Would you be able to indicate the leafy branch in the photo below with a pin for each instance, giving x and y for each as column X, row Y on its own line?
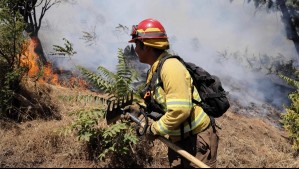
column 66, row 50
column 89, row 37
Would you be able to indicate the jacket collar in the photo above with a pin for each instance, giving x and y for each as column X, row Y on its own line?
column 154, row 67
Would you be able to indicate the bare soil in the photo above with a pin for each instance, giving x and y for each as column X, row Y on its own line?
column 245, row 142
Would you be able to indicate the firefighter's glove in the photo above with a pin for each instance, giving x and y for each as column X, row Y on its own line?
column 133, row 109
column 150, row 134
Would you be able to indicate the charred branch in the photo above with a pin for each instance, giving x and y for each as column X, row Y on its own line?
column 26, row 102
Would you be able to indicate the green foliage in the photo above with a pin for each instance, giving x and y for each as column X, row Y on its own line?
column 116, row 84
column 11, row 48
column 79, row 97
column 293, row 3
column 97, row 79
column 66, row 50
column 86, row 123
column 7, row 91
column 290, row 119
column 117, row 139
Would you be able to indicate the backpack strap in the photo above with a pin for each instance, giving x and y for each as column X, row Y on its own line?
column 159, row 67
column 213, row 123
column 156, row 76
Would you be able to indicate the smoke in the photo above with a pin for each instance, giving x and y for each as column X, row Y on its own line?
column 199, row 31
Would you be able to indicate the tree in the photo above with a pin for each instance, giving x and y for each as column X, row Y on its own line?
column 27, row 8
column 290, row 16
column 17, row 101
column 11, row 48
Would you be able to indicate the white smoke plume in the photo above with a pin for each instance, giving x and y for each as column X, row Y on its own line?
column 199, row 31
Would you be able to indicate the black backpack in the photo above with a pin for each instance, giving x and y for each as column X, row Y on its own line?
column 214, row 99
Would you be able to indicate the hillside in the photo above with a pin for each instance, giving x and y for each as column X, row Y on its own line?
column 245, row 141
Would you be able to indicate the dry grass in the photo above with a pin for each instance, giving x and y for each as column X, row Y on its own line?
column 248, row 142
column 244, row 142
column 35, row 144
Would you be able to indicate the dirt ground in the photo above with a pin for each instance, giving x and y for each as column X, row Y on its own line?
column 245, row 142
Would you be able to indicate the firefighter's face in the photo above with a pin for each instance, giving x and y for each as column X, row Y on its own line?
column 140, row 51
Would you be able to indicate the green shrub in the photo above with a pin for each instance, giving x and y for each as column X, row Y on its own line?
column 12, row 43
column 116, row 139
column 290, row 119
column 102, row 141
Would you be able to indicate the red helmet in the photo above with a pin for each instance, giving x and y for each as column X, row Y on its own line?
column 148, row 29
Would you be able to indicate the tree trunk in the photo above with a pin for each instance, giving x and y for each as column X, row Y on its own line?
column 39, row 50
column 289, row 25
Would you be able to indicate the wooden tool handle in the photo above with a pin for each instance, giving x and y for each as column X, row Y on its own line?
column 180, row 151
column 183, row 153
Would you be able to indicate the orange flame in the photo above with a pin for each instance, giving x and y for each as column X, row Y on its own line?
column 29, row 57
column 49, row 76
column 44, row 73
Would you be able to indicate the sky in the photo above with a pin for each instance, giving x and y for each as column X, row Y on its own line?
column 206, row 32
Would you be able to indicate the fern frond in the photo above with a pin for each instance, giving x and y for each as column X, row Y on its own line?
column 123, row 87
column 126, row 75
column 109, row 76
column 123, row 70
column 115, row 84
column 290, row 81
column 97, row 80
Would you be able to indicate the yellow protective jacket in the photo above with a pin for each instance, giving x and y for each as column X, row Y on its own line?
column 176, row 99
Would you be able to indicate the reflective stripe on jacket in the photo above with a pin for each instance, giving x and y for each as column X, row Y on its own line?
column 176, row 99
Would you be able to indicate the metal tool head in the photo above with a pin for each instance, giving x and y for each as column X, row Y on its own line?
column 114, row 108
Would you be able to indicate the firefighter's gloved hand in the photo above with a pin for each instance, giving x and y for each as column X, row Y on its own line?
column 133, row 109
column 151, row 135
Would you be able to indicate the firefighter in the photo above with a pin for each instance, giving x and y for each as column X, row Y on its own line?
column 186, row 124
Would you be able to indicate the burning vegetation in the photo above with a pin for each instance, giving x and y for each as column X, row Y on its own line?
column 46, row 73
column 31, row 99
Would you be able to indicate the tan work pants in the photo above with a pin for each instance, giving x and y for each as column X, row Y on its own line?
column 203, row 146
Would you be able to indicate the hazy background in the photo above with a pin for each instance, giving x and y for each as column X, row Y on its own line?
column 207, row 32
